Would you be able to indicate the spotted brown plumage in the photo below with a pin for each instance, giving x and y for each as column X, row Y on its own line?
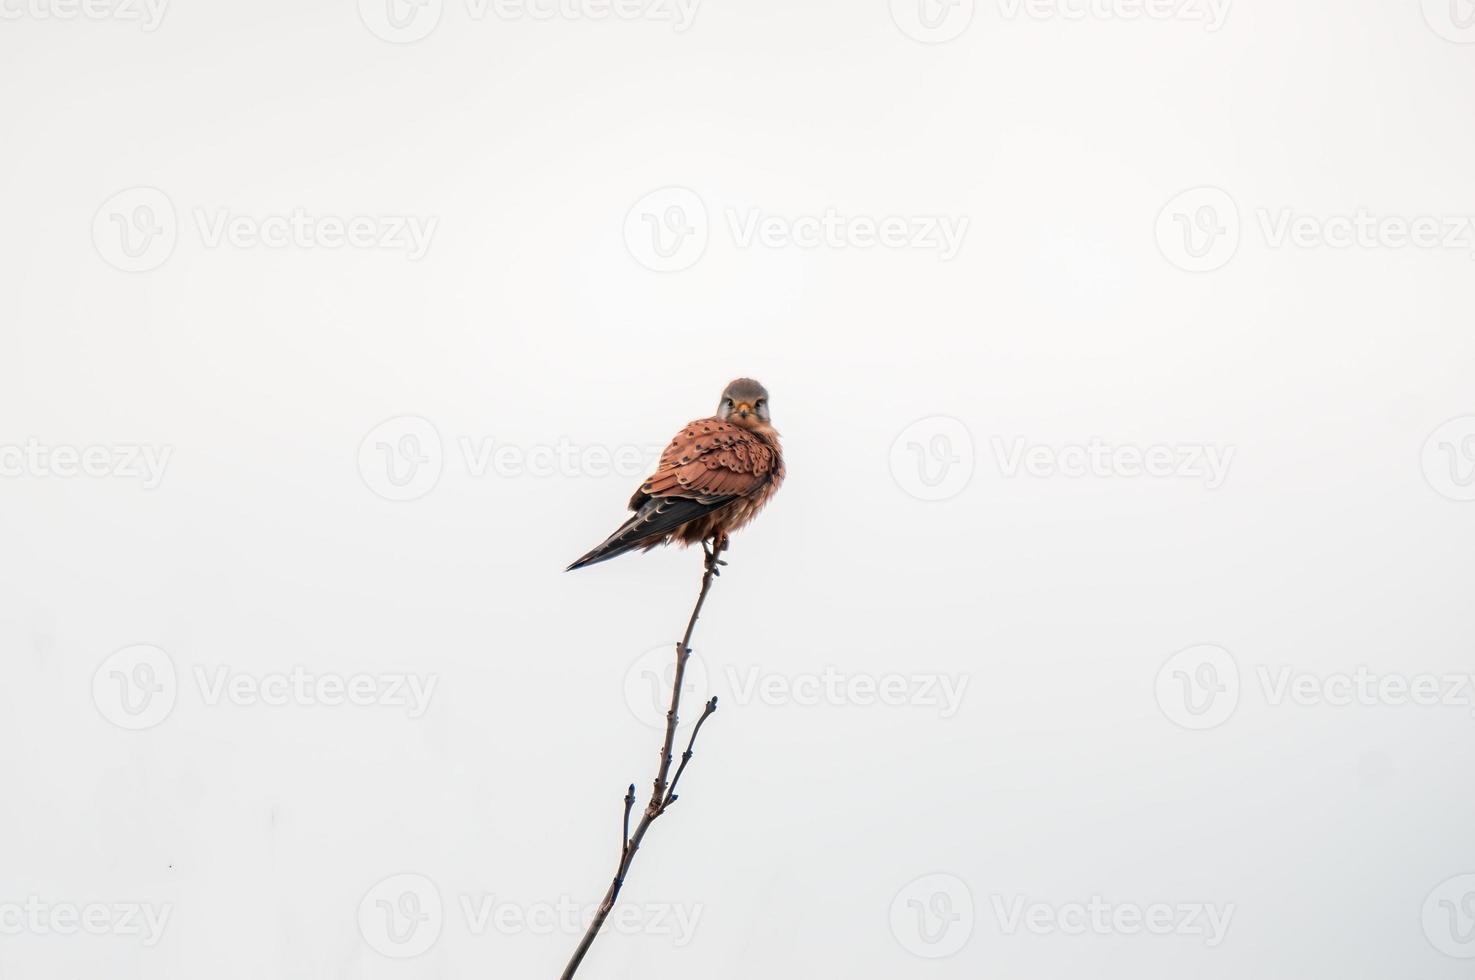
column 713, row 478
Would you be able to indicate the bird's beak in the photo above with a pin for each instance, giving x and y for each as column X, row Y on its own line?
column 744, row 409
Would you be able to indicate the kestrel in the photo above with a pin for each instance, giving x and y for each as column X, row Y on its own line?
column 713, row 478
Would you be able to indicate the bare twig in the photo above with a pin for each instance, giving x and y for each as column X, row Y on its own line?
column 625, row 834
column 662, row 794
column 686, row 756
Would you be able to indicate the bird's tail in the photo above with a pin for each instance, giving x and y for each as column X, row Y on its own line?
column 655, row 519
column 625, row 539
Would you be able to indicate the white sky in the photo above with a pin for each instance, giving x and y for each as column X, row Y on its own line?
column 1046, row 605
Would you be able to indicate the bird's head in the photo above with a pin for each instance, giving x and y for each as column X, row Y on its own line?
column 745, row 403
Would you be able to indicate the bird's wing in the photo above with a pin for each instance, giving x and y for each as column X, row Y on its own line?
column 709, row 461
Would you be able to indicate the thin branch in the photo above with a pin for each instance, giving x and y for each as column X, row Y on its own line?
column 662, row 793
column 625, row 834
column 686, row 756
